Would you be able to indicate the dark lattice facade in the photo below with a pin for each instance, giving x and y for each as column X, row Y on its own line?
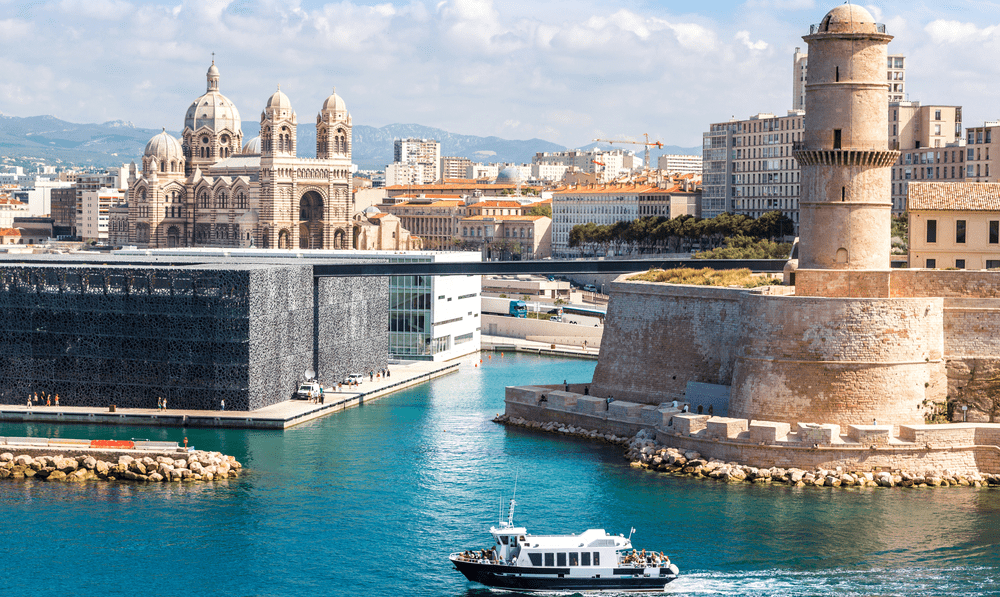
column 126, row 335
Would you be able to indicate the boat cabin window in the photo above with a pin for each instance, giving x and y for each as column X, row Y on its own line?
column 550, row 559
column 536, row 559
column 503, row 539
column 597, row 558
column 574, row 558
column 561, row 559
column 586, row 558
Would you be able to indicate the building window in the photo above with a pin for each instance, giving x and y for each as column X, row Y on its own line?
column 960, row 263
column 994, row 232
column 932, row 231
column 992, row 264
column 937, row 114
column 960, row 231
column 931, row 263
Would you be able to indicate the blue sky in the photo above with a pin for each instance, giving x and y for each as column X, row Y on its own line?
column 561, row 71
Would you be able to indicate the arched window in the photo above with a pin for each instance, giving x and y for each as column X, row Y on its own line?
column 222, row 202
column 203, row 200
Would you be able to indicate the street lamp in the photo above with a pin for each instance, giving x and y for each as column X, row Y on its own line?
column 965, row 413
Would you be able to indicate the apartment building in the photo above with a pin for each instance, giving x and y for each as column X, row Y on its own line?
column 95, row 215
column 600, row 204
column 954, row 225
column 606, row 164
column 980, row 152
column 508, row 235
column 672, row 199
column 425, row 153
column 92, row 181
column 717, row 175
column 754, row 158
column 680, row 164
column 454, row 167
column 931, row 146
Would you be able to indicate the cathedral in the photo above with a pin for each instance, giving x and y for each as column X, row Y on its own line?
column 211, row 189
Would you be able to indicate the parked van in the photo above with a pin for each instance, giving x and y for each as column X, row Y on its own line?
column 307, row 390
column 590, row 288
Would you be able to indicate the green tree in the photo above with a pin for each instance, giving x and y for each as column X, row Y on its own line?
column 541, row 210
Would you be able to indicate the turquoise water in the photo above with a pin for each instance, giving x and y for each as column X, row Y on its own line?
column 370, row 501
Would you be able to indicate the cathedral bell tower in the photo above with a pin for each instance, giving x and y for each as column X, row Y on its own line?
column 846, row 205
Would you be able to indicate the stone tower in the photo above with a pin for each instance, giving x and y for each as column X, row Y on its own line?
column 846, row 205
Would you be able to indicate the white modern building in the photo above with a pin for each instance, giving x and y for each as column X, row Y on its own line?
column 92, row 221
column 600, row 204
column 680, row 164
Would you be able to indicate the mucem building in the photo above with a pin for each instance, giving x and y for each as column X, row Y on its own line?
column 196, row 332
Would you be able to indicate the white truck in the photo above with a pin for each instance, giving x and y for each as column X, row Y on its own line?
column 308, row 390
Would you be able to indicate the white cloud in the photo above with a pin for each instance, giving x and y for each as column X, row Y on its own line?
column 744, row 37
column 955, row 32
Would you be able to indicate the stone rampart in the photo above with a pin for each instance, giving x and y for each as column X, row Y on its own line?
column 658, row 337
column 961, row 447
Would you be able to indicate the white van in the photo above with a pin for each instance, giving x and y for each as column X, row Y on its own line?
column 354, row 379
column 590, row 288
column 307, row 390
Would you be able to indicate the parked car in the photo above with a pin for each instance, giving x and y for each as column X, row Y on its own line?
column 555, row 311
column 556, row 319
column 354, row 379
column 590, row 288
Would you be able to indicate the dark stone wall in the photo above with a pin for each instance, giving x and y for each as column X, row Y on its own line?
column 126, row 336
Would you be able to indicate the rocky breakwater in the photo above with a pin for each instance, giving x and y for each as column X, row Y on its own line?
column 560, row 428
column 644, row 452
column 194, row 466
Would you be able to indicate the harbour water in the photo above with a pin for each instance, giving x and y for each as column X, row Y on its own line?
column 370, row 501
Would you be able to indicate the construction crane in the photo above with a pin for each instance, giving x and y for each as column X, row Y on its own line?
column 656, row 144
column 603, row 168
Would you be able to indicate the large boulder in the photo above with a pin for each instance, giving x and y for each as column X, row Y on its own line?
column 55, row 475
column 89, row 463
column 66, row 465
column 137, row 467
column 6, row 457
column 24, row 460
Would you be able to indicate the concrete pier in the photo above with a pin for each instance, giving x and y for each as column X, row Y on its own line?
column 283, row 415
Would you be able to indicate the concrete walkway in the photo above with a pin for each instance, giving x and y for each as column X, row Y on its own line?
column 278, row 416
column 504, row 344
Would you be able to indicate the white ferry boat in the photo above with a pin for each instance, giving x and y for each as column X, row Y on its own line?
column 591, row 561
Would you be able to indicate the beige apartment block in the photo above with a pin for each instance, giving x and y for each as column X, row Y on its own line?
column 980, row 149
column 600, row 204
column 931, row 147
column 454, row 167
column 765, row 175
column 954, row 225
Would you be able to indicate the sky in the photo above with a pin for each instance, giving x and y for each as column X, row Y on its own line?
column 563, row 71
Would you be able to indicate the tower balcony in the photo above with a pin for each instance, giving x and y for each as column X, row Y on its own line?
column 873, row 158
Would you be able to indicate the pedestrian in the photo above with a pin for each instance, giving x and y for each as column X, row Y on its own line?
column 57, row 399
column 699, row 409
column 159, row 403
column 185, row 442
column 685, row 409
column 387, row 374
column 222, row 404
column 48, row 402
column 874, row 422
column 371, row 376
column 711, row 410
column 586, row 390
column 29, row 401
column 164, row 404
column 673, row 404
column 36, row 397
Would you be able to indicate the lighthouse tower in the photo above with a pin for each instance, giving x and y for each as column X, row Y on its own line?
column 846, row 206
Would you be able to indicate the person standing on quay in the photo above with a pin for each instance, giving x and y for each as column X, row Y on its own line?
column 164, row 404
column 159, row 403
column 222, row 404
column 57, row 399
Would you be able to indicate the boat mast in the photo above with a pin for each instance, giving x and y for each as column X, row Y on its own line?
column 510, row 513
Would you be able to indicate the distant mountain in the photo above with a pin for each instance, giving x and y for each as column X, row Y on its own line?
column 117, row 142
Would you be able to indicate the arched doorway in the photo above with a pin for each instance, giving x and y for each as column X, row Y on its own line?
column 311, row 221
column 284, row 239
column 173, row 237
column 265, row 239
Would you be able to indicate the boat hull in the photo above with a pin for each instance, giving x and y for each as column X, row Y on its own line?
column 557, row 579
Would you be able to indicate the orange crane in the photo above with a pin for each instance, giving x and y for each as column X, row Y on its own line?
column 657, row 144
column 602, row 165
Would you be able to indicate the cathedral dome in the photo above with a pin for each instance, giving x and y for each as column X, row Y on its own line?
column 252, row 146
column 213, row 110
column 164, row 147
column 279, row 106
column 334, row 104
column 848, row 18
